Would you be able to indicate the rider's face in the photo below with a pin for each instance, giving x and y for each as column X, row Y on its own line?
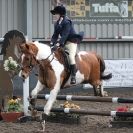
column 57, row 16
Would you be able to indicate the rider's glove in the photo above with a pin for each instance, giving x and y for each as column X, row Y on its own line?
column 58, row 45
column 52, row 46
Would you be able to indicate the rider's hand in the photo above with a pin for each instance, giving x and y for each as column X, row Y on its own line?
column 53, row 48
column 58, row 44
column 51, row 44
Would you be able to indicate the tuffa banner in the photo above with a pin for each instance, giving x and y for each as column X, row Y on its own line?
column 96, row 11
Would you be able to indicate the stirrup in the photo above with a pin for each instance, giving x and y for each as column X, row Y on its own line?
column 73, row 80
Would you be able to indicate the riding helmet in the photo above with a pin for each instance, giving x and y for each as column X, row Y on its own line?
column 59, row 10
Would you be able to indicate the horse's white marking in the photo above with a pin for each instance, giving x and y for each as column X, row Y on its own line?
column 22, row 57
column 20, row 73
column 82, row 53
column 43, row 52
column 79, row 78
column 102, row 92
column 38, row 88
column 58, row 68
column 52, row 97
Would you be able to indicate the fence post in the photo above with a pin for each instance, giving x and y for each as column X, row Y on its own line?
column 25, row 96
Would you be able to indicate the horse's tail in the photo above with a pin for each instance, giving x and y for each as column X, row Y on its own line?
column 102, row 69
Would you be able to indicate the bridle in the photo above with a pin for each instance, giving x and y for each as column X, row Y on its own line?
column 30, row 65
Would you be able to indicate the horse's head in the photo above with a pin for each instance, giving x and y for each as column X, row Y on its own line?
column 28, row 59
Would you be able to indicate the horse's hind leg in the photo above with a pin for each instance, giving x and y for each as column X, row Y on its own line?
column 95, row 90
column 99, row 90
column 102, row 92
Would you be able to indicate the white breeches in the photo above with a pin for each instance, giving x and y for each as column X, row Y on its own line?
column 72, row 48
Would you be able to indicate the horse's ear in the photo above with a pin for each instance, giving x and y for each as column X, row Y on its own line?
column 22, row 47
column 33, row 49
column 27, row 46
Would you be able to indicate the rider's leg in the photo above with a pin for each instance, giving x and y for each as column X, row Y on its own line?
column 72, row 48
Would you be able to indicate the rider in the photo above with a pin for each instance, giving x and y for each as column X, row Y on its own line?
column 69, row 39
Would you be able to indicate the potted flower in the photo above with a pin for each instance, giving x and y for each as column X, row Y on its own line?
column 14, row 110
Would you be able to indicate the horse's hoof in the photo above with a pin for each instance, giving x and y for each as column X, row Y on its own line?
column 105, row 94
column 46, row 112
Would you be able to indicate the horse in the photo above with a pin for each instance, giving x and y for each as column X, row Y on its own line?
column 10, row 47
column 54, row 72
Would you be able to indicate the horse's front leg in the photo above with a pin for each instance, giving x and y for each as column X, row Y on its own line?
column 52, row 97
column 37, row 89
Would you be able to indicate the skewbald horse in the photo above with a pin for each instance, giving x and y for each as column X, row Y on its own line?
column 54, row 74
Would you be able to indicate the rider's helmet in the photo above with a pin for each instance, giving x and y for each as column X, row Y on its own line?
column 59, row 10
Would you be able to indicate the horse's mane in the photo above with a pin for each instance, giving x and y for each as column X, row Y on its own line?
column 9, row 35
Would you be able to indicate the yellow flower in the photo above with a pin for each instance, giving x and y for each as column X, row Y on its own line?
column 12, row 101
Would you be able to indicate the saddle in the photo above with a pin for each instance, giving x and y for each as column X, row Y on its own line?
column 63, row 56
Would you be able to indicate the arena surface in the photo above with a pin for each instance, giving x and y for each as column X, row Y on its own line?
column 95, row 124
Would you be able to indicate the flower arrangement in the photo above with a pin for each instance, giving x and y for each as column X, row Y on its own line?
column 14, row 105
column 10, row 64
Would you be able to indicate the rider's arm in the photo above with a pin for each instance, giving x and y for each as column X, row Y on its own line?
column 54, row 36
column 65, row 32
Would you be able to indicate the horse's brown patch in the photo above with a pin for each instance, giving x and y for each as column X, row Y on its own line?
column 46, row 74
column 90, row 67
column 60, row 55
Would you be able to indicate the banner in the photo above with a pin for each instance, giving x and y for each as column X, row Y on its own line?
column 122, row 72
column 109, row 9
column 96, row 11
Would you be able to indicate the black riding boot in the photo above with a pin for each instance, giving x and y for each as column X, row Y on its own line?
column 73, row 74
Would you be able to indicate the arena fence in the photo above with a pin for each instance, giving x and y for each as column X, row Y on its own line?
column 86, row 112
column 87, row 98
